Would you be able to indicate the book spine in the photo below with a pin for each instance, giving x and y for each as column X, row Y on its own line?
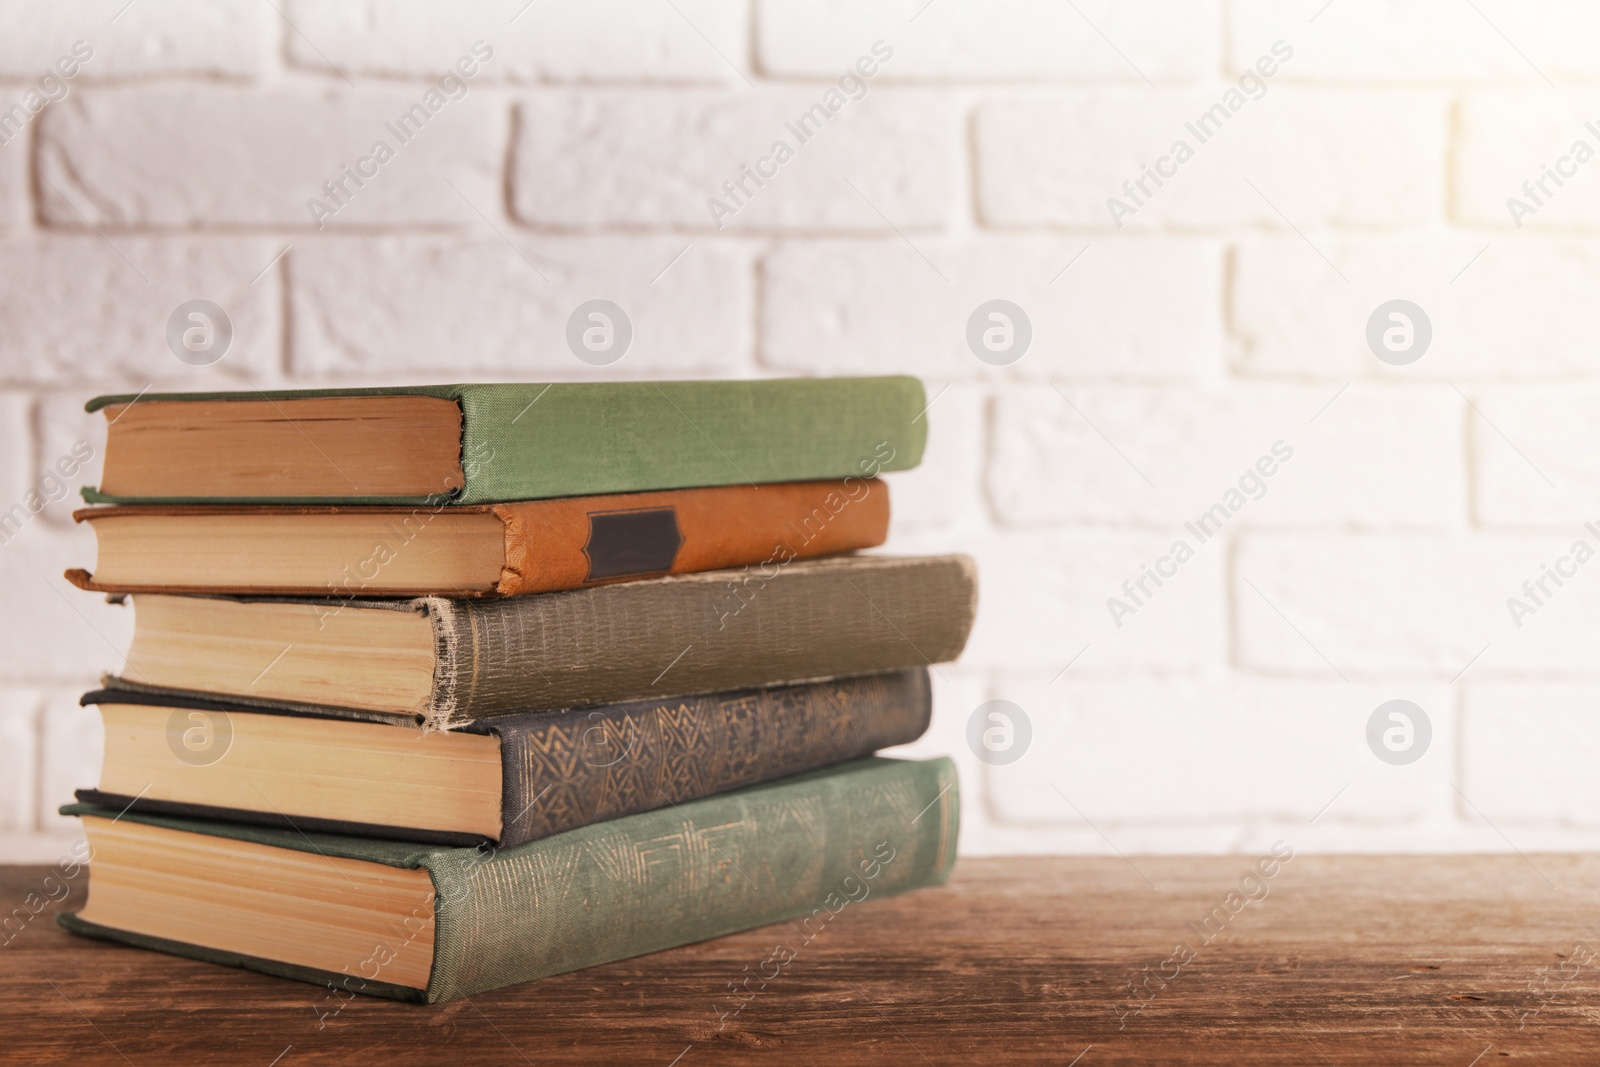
column 697, row 633
column 534, row 442
column 574, row 542
column 574, row 768
column 803, row 849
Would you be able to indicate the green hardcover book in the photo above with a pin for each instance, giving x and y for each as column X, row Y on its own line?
column 431, row 924
column 485, row 444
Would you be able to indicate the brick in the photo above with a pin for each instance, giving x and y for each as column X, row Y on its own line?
column 1517, row 733
column 1419, row 41
column 46, row 849
column 1524, row 437
column 945, row 493
column 73, row 747
column 66, row 435
column 1484, row 300
column 406, row 305
column 1161, row 40
column 1133, row 309
column 1511, row 138
column 19, row 747
column 957, row 694
column 1042, row 599
column 1152, row 751
column 13, row 184
column 94, row 309
column 16, row 449
column 542, row 41
column 1412, row 606
column 176, row 158
column 1321, row 158
column 147, row 37
column 1372, row 457
column 45, row 478
column 634, row 158
column 986, row 829
column 59, row 633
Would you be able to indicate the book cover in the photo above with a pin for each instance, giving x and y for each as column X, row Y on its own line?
column 565, row 769
column 799, row 848
column 547, row 545
column 532, row 441
column 699, row 633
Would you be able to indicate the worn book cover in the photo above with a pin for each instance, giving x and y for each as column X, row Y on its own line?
column 451, row 661
column 558, row 770
column 475, row 550
column 448, row 923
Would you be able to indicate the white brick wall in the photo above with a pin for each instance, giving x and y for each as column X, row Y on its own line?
column 1308, row 152
column 1424, row 42
column 84, row 308
column 158, row 37
column 169, row 158
column 413, row 305
column 995, row 40
column 592, row 158
column 1369, row 157
column 1133, row 310
column 1503, row 307
column 632, row 41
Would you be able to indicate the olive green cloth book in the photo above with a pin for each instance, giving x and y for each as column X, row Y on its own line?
column 488, row 444
column 447, row 662
column 428, row 924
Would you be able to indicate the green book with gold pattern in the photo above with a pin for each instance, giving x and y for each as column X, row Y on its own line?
column 430, row 924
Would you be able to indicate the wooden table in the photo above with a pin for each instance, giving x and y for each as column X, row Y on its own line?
column 1347, row 960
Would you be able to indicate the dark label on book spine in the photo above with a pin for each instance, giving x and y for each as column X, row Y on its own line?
column 629, row 544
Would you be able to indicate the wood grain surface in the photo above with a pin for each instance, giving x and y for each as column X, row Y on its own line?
column 1346, row 960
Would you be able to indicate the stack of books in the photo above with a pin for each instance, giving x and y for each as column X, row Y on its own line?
column 434, row 690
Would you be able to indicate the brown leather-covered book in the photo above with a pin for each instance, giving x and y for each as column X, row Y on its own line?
column 536, row 546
